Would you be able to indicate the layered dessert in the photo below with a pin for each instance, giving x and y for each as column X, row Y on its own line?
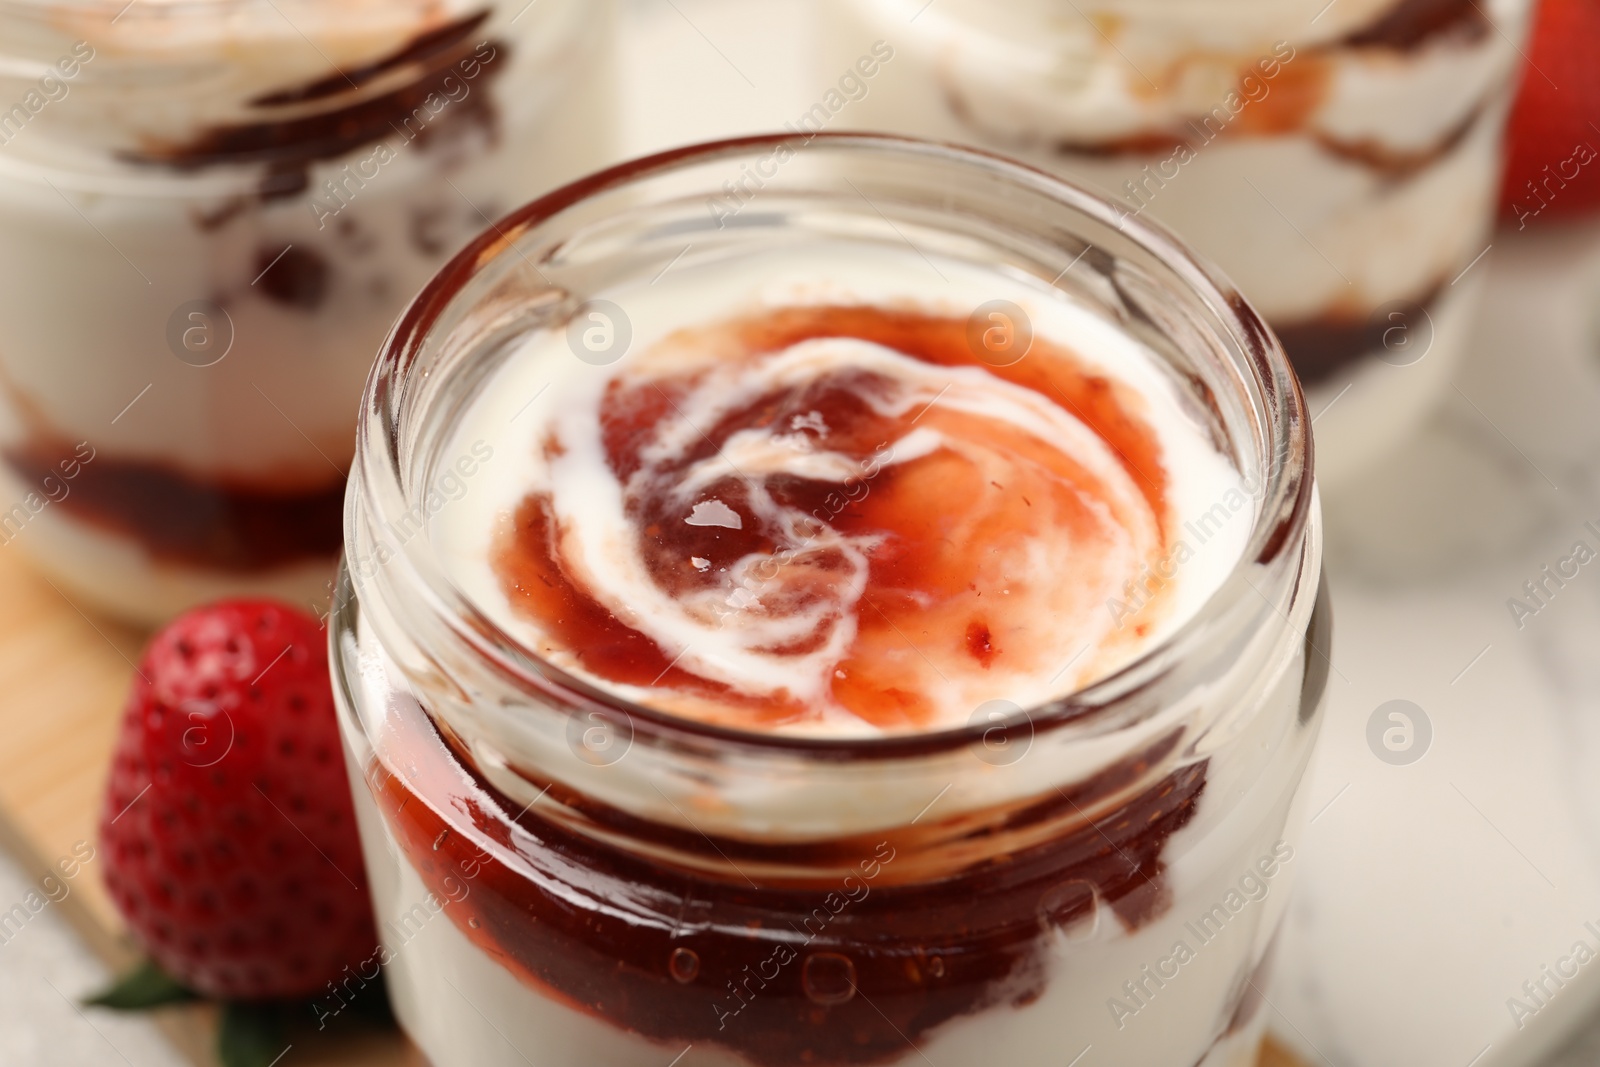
column 214, row 212
column 1339, row 161
column 816, row 676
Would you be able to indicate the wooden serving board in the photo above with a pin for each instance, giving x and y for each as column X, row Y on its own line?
column 64, row 673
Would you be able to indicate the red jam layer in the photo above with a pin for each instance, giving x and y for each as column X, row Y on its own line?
column 1297, row 84
column 948, row 571
column 426, row 107
column 855, row 968
column 178, row 518
column 1413, row 24
column 1322, row 347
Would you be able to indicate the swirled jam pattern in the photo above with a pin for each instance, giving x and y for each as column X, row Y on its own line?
column 842, row 517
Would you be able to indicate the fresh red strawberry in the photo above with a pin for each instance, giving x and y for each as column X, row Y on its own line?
column 229, row 833
column 1554, row 164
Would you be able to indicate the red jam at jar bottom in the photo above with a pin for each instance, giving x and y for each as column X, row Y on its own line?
column 852, row 969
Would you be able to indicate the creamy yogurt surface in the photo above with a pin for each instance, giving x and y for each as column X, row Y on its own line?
column 839, row 489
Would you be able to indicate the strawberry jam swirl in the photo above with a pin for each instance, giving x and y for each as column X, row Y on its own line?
column 839, row 519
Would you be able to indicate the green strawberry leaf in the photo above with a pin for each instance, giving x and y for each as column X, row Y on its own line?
column 146, row 986
column 251, row 1035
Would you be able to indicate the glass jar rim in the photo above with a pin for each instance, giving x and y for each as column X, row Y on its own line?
column 1279, row 528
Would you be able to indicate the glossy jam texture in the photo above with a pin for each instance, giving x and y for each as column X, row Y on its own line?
column 860, row 968
column 846, row 508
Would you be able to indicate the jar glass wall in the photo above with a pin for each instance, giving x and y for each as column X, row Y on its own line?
column 1340, row 163
column 214, row 211
column 557, row 869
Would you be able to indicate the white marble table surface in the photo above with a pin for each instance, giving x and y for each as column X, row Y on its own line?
column 1433, row 891
column 44, row 972
column 1430, row 891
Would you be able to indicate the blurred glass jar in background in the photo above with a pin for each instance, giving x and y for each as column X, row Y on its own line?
column 210, row 215
column 1339, row 161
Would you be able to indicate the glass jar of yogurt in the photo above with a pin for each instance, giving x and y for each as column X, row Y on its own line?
column 213, row 212
column 1340, row 161
column 882, row 624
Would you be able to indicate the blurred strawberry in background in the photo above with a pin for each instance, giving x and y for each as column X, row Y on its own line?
column 229, row 825
column 1553, row 170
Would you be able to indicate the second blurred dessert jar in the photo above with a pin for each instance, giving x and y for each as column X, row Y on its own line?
column 213, row 212
column 1339, row 161
column 886, row 630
